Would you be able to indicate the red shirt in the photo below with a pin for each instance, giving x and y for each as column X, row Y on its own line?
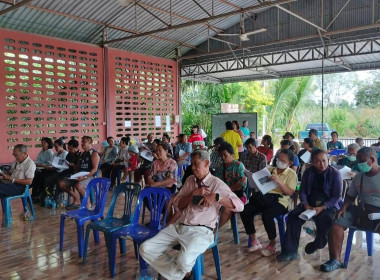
column 132, row 163
column 268, row 152
column 195, row 137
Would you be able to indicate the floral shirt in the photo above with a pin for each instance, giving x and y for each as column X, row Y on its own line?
column 161, row 171
column 233, row 174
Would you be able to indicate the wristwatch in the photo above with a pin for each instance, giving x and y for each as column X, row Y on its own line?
column 85, row 177
column 218, row 198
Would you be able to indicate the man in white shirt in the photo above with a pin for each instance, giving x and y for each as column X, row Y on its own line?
column 23, row 173
column 200, row 199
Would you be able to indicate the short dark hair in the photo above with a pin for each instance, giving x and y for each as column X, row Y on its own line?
column 288, row 153
column 286, row 142
column 181, row 135
column 309, row 141
column 163, row 145
column 368, row 151
column 225, row 146
column 21, row 148
column 218, row 140
column 251, row 141
column 60, row 142
column 288, row 134
column 334, row 132
column 317, row 152
column 229, row 125
column 109, row 137
column 157, row 141
column 125, row 140
column 314, row 131
column 165, row 135
column 89, row 138
column 48, row 141
column 73, row 143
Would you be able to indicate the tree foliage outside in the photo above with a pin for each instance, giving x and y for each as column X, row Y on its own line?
column 289, row 104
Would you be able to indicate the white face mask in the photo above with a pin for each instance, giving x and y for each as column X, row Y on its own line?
column 281, row 165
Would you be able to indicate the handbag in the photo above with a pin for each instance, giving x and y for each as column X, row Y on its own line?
column 363, row 210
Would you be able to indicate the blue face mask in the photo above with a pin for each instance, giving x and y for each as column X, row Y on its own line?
column 351, row 158
column 364, row 167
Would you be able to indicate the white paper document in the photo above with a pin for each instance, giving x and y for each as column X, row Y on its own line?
column 306, row 157
column 181, row 153
column 147, row 155
column 374, row 216
column 262, row 182
column 344, row 172
column 60, row 163
column 307, row 215
column 157, row 121
column 79, row 174
column 167, row 129
column 251, row 183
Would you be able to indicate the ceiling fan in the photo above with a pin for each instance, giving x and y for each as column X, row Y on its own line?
column 244, row 35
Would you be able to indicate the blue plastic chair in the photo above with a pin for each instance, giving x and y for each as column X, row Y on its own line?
column 25, row 198
column 281, row 229
column 100, row 187
column 157, row 199
column 338, row 152
column 369, row 237
column 111, row 223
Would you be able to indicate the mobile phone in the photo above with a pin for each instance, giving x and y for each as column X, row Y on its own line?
column 197, row 198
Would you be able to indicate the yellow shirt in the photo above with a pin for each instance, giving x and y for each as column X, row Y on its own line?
column 234, row 139
column 319, row 143
column 289, row 178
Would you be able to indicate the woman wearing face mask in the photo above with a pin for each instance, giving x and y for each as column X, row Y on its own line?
column 272, row 203
column 350, row 159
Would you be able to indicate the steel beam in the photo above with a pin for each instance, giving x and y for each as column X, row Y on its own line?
column 14, row 7
column 202, row 21
column 337, row 52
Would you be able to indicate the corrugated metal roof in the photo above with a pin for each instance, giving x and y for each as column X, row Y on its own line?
column 85, row 21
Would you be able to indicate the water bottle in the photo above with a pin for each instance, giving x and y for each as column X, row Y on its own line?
column 47, row 202
column 311, row 232
column 53, row 204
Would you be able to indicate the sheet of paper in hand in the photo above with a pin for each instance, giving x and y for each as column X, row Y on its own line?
column 60, row 163
column 262, row 181
column 148, row 155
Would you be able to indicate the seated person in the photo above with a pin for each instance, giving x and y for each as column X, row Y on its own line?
column 215, row 159
column 318, row 142
column 120, row 163
column 144, row 168
column 360, row 142
column 195, row 134
column 321, row 190
column 44, row 159
column 253, row 160
column 366, row 188
column 132, row 162
column 88, row 162
column 22, row 173
column 289, row 136
column 185, row 147
column 308, row 146
column 350, row 159
column 334, row 144
column 232, row 173
column 108, row 157
column 166, row 140
column 287, row 144
column 266, row 147
column 194, row 230
column 164, row 170
column 271, row 204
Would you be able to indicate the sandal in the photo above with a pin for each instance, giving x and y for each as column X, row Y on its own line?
column 256, row 245
column 72, row 206
column 268, row 251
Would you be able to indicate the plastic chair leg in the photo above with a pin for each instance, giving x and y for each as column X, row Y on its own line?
column 143, row 265
column 348, row 247
column 80, row 236
column 235, row 228
column 369, row 236
column 86, row 244
column 197, row 269
column 281, row 229
column 8, row 212
column 249, row 241
column 122, row 245
column 118, row 177
column 61, row 232
column 215, row 252
column 96, row 236
column 111, row 248
column 136, row 248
